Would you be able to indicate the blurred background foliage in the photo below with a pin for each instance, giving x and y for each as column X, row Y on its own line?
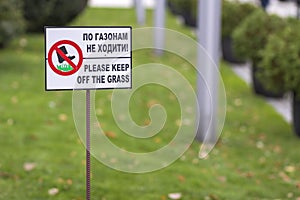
column 19, row 16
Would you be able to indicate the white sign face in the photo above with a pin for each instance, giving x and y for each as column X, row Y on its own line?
column 88, row 57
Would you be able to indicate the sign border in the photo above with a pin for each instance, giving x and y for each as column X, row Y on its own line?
column 70, row 27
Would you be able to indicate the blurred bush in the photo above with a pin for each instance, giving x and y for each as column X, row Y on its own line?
column 250, row 37
column 11, row 20
column 252, row 34
column 233, row 13
column 280, row 64
column 39, row 13
column 185, row 8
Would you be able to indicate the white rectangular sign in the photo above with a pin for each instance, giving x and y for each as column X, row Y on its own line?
column 88, row 57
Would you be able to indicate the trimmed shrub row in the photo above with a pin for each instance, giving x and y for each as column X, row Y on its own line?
column 38, row 13
column 187, row 9
column 11, row 20
column 17, row 16
column 271, row 44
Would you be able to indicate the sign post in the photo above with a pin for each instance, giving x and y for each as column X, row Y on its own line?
column 208, row 33
column 88, row 58
column 88, row 145
column 140, row 12
column 159, row 23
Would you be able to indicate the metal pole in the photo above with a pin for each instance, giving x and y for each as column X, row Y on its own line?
column 88, row 147
column 159, row 24
column 209, row 23
column 298, row 9
column 140, row 12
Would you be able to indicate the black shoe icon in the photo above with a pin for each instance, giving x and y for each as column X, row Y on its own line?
column 64, row 50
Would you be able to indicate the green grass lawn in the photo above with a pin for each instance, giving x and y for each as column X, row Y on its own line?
column 257, row 156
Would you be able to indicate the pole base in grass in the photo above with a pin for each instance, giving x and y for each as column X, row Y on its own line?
column 259, row 88
column 296, row 115
column 227, row 51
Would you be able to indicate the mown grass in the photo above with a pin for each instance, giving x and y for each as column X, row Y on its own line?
column 256, row 157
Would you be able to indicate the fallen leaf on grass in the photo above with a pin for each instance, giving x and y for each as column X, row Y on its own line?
column 97, row 125
column 83, row 162
column 60, row 180
column 289, row 169
column 63, row 117
column 290, row 195
column 246, row 174
column 284, row 177
column 15, row 85
column 178, row 122
column 103, row 155
column 213, row 197
column 262, row 136
column 249, row 174
column 172, row 97
column 10, row 122
column 277, row 149
column 53, row 191
column 40, row 180
column 151, row 103
column 109, row 96
column 49, row 122
column 14, row 99
column 23, row 42
column 4, row 175
column 69, row 181
column 238, row 102
column 157, row 140
column 73, row 154
column 222, row 179
column 272, row 177
column 262, row 160
column 242, row 129
column 99, row 111
column 29, row 166
column 181, row 178
column 189, row 109
column 174, row 196
column 113, row 160
column 260, row 144
column 147, row 122
column 52, row 104
column 229, row 108
column 163, row 197
column 79, row 141
column 195, row 161
column 183, row 158
column 110, row 134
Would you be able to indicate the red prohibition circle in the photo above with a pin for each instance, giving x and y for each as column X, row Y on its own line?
column 55, row 48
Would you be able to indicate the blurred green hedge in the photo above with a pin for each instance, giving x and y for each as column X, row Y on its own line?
column 39, row 13
column 11, row 20
column 17, row 16
column 187, row 9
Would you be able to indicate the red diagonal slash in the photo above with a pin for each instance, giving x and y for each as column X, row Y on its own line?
column 68, row 60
